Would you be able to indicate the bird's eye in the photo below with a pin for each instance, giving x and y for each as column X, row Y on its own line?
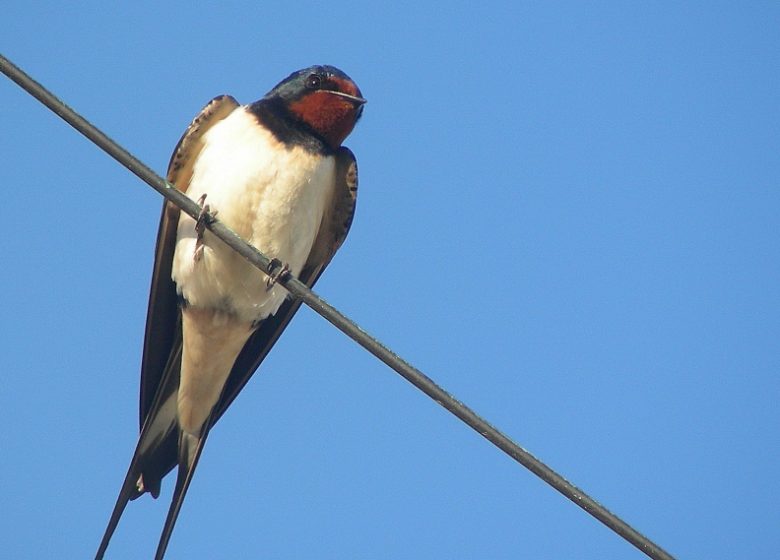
column 314, row 81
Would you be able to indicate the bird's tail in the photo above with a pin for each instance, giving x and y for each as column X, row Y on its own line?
column 190, row 448
column 126, row 493
column 133, row 484
column 158, row 434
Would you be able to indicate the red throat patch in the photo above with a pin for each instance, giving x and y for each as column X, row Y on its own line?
column 333, row 117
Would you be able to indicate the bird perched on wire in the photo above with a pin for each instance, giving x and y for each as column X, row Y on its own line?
column 276, row 173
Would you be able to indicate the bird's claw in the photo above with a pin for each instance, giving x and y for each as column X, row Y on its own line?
column 278, row 271
column 205, row 217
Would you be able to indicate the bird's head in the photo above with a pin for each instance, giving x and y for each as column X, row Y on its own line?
column 323, row 98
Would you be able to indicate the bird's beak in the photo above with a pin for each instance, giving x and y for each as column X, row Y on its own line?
column 353, row 98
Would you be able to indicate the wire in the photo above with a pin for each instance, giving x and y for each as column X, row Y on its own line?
column 344, row 324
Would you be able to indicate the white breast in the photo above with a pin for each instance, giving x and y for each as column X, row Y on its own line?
column 271, row 195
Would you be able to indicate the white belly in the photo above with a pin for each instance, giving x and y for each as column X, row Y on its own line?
column 272, row 196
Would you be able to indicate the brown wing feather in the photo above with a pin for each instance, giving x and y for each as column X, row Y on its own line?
column 163, row 331
column 157, row 448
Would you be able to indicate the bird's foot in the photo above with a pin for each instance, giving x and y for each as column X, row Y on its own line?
column 279, row 271
column 205, row 217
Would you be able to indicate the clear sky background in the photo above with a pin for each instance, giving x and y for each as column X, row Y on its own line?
column 568, row 217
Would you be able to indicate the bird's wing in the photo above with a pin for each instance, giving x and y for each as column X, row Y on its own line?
column 162, row 341
column 163, row 329
column 333, row 231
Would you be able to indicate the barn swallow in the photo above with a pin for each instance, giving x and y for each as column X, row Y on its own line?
column 276, row 173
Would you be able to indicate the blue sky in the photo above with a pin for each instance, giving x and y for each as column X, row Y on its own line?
column 568, row 217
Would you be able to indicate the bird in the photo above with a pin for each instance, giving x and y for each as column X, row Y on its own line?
column 276, row 173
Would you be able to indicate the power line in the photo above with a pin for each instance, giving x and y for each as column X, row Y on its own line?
column 344, row 324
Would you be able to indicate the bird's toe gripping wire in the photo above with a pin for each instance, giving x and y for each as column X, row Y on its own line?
column 205, row 217
column 278, row 271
